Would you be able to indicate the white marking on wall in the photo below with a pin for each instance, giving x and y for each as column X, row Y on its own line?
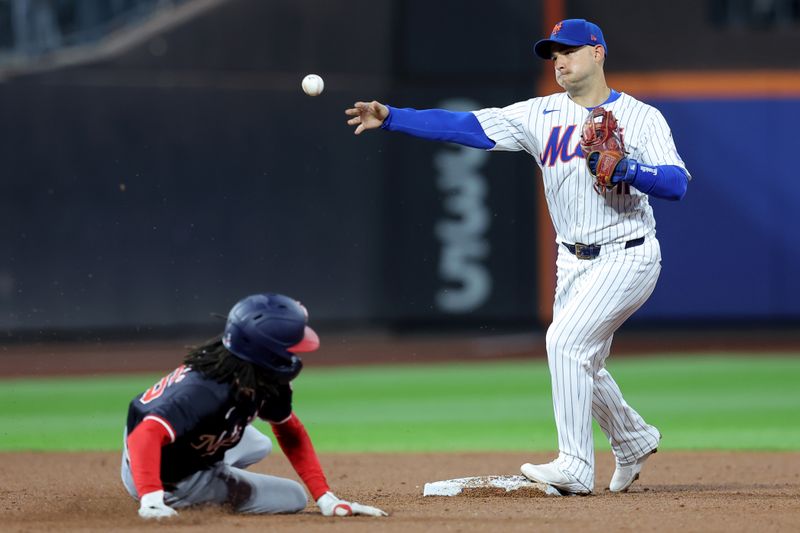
column 463, row 230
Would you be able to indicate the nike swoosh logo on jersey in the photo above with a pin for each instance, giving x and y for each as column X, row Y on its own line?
column 548, row 111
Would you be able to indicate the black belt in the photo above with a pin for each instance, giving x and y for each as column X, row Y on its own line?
column 591, row 251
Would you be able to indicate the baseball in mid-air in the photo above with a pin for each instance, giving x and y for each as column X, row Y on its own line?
column 313, row 85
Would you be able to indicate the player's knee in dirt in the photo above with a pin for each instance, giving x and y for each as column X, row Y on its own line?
column 253, row 493
column 296, row 497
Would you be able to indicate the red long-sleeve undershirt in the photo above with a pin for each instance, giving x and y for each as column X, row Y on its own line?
column 147, row 439
column 296, row 444
column 144, row 453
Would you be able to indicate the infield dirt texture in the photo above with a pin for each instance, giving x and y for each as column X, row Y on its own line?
column 678, row 491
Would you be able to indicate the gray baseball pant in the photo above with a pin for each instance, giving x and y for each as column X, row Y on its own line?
column 226, row 482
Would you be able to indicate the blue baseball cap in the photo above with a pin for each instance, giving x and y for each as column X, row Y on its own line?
column 571, row 32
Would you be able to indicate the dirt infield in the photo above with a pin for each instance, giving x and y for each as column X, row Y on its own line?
column 678, row 492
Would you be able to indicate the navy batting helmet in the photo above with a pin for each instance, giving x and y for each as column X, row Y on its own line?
column 267, row 330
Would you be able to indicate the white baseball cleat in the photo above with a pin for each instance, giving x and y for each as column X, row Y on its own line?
column 551, row 474
column 625, row 475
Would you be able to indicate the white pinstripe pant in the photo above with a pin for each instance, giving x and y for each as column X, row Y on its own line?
column 593, row 299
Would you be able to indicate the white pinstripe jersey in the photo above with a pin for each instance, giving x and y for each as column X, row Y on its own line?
column 549, row 128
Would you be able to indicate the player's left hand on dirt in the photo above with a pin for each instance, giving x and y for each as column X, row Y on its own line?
column 603, row 147
column 330, row 505
column 152, row 506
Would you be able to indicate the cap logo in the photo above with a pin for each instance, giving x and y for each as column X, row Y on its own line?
column 592, row 37
column 556, row 28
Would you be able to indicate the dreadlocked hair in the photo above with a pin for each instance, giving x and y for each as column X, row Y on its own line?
column 219, row 364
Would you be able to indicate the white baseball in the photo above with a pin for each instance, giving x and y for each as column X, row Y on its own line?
column 313, row 85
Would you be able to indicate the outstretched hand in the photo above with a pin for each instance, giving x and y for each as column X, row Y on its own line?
column 330, row 505
column 367, row 115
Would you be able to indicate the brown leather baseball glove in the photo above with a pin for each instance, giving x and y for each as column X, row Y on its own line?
column 602, row 146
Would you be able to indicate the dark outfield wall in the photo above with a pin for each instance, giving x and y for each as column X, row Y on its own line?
column 700, row 35
column 146, row 191
column 154, row 188
column 159, row 186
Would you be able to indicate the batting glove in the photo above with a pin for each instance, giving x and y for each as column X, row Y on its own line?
column 330, row 505
column 152, row 506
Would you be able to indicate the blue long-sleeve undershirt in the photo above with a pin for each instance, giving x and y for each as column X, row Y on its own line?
column 439, row 125
column 663, row 181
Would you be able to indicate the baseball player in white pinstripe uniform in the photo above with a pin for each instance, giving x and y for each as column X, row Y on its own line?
column 608, row 256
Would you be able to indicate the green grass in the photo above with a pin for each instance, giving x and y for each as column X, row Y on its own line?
column 698, row 402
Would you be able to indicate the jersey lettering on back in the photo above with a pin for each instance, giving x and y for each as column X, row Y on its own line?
column 208, row 418
column 176, row 376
